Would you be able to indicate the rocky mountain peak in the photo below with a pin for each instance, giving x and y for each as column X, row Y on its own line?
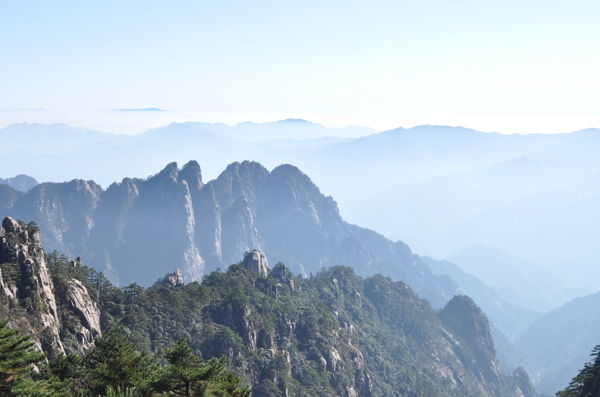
column 20, row 182
column 239, row 180
column 256, row 261
column 168, row 175
column 468, row 321
column 86, row 309
column 281, row 213
column 192, row 174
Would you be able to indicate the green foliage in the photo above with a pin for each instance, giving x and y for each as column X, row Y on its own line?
column 114, row 362
column 113, row 367
column 188, row 375
column 17, row 355
column 279, row 339
column 587, row 382
column 283, row 335
column 121, row 392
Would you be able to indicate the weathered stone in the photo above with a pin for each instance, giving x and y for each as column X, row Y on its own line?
column 82, row 305
column 29, row 254
column 174, row 279
column 256, row 261
column 10, row 225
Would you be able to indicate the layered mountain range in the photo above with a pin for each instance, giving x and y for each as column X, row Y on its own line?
column 136, row 230
column 440, row 189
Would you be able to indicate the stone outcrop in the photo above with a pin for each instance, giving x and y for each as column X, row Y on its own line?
column 172, row 279
column 256, row 261
column 89, row 315
column 283, row 274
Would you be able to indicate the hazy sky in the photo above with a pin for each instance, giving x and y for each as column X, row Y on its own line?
column 537, row 59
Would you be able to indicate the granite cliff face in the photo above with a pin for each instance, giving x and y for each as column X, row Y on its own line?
column 137, row 230
column 144, row 228
column 27, row 291
column 25, row 279
column 80, row 303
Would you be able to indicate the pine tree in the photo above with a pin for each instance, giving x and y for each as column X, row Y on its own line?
column 114, row 362
column 587, row 382
column 17, row 358
column 188, row 375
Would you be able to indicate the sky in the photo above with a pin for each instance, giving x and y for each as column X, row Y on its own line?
column 510, row 66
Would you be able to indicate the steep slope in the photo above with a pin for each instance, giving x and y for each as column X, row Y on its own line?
column 468, row 322
column 506, row 320
column 34, row 299
column 63, row 211
column 9, row 196
column 142, row 228
column 562, row 340
column 509, row 317
column 138, row 230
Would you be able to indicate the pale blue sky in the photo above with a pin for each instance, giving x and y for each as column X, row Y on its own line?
column 309, row 57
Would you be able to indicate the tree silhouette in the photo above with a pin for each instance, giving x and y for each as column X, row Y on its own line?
column 587, row 382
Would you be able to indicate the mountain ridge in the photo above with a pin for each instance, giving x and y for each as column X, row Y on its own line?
column 334, row 334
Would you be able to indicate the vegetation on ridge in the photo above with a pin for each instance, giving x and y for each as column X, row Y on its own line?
column 333, row 334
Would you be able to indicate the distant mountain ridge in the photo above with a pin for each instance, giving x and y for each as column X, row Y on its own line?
column 562, row 339
column 513, row 278
column 20, row 182
column 49, row 151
